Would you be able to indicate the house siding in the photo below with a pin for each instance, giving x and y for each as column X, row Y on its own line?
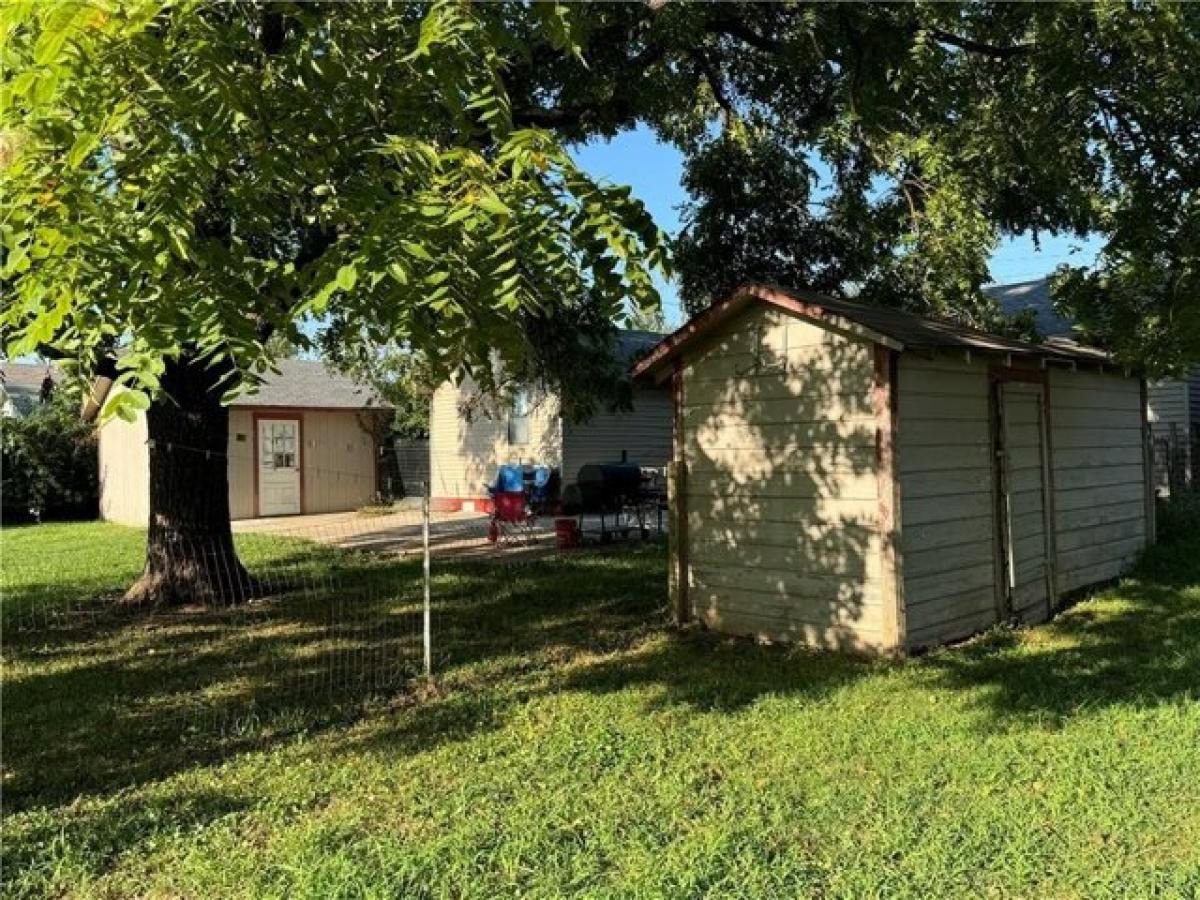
column 242, row 503
column 1099, row 476
column 641, row 435
column 781, row 486
column 465, row 449
column 948, row 540
column 338, row 461
column 1169, row 412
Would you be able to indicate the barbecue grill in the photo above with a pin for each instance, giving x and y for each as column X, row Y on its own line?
column 621, row 496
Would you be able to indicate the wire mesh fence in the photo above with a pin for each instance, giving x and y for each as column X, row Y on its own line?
column 204, row 641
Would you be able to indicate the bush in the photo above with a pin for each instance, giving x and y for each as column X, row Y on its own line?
column 48, row 465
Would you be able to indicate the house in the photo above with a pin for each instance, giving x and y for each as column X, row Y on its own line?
column 857, row 477
column 303, row 443
column 1174, row 403
column 470, row 435
column 23, row 385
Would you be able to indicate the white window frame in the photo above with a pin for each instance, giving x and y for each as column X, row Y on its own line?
column 520, row 416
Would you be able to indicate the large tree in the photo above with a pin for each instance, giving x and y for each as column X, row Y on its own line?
column 191, row 179
column 183, row 182
column 885, row 149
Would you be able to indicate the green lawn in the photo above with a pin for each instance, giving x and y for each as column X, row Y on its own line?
column 575, row 745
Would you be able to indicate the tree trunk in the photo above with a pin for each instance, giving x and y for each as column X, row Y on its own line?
column 190, row 557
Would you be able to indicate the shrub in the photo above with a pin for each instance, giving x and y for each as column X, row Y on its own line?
column 48, row 465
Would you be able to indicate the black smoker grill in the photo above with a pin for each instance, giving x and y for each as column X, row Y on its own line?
column 623, row 496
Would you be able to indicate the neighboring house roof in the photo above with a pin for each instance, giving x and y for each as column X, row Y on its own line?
column 632, row 344
column 1014, row 299
column 892, row 327
column 310, row 383
column 21, row 385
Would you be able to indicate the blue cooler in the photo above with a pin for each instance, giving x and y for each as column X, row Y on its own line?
column 510, row 479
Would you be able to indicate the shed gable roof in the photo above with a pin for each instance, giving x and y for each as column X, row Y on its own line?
column 310, row 383
column 894, row 328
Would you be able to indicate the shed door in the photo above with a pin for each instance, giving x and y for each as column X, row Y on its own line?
column 1021, row 457
column 278, row 467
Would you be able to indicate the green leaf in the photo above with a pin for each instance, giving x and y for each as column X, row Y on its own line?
column 44, row 88
column 416, row 250
column 347, row 277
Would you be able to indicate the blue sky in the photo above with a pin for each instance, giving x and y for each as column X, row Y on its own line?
column 654, row 171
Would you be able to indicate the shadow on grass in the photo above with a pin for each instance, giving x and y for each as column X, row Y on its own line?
column 103, row 700
column 122, row 702
column 1137, row 644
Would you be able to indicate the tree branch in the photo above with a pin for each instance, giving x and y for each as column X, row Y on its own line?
column 951, row 39
column 736, row 28
column 618, row 106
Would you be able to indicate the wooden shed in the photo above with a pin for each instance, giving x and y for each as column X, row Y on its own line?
column 856, row 477
column 302, row 443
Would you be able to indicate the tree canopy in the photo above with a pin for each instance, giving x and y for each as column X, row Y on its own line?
column 885, row 149
column 207, row 175
column 193, row 178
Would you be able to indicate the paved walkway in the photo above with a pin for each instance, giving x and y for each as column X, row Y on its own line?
column 458, row 533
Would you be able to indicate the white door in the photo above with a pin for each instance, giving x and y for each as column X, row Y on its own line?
column 278, row 467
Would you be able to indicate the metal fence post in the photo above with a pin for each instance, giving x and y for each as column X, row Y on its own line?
column 426, row 613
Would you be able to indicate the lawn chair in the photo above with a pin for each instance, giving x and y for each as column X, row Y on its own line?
column 513, row 517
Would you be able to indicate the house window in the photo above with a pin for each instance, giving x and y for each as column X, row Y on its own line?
column 518, row 417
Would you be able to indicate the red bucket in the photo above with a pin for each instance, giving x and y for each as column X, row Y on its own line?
column 566, row 533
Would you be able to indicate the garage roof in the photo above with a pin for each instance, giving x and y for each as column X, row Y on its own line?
column 310, row 383
column 894, row 328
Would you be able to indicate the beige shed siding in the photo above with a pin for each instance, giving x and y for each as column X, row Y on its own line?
column 241, row 464
column 1099, row 495
column 338, row 461
column 124, row 462
column 465, row 450
column 643, row 434
column 948, row 536
column 782, row 495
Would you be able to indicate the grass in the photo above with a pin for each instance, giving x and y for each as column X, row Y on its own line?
column 575, row 745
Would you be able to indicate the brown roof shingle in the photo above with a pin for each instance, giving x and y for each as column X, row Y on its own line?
column 900, row 329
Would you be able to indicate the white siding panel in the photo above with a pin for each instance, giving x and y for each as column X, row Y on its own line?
column 1099, row 495
column 782, row 497
column 948, row 526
